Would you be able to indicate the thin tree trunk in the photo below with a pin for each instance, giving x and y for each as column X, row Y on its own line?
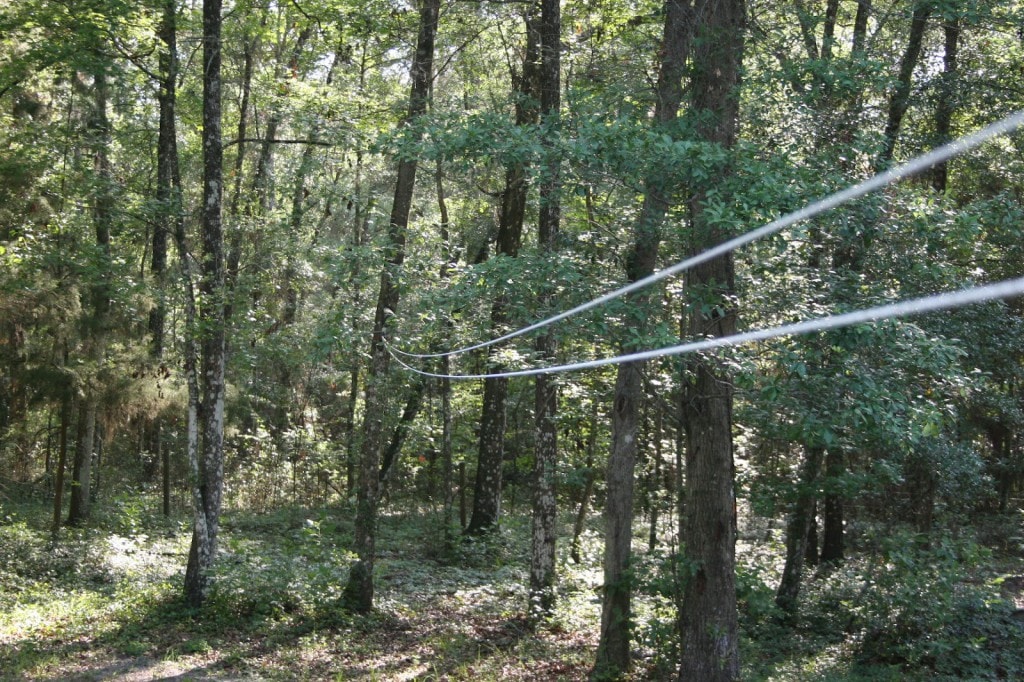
column 654, row 482
column 412, row 408
column 447, row 475
column 62, row 460
column 811, row 543
column 359, row 590
column 544, row 530
column 493, row 420
column 588, row 488
column 81, row 476
column 613, row 652
column 860, row 26
column 832, row 545
column 351, row 456
column 947, row 99
column 708, row 622
column 165, row 193
column 797, row 532
column 208, row 472
column 900, row 99
column 487, row 487
column 829, row 31
column 99, row 131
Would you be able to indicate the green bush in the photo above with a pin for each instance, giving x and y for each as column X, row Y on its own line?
column 921, row 609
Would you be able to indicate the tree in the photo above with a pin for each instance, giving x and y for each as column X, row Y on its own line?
column 709, row 636
column 542, row 555
column 493, row 419
column 613, row 652
column 359, row 590
column 168, row 197
column 95, row 332
column 207, row 468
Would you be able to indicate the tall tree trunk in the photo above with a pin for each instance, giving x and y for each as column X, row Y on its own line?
column 493, row 420
column 250, row 45
column 544, row 531
column 81, row 475
column 798, row 532
column 588, row 488
column 167, row 151
column 613, row 650
column 100, row 292
column 447, row 475
column 359, row 590
column 709, row 636
column 208, row 471
column 860, row 27
column 654, row 480
column 62, row 460
column 401, row 432
column 487, row 487
column 899, row 101
column 832, row 545
column 947, row 98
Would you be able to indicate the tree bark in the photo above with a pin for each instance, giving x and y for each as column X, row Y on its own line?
column 544, row 530
column 208, row 471
column 62, row 460
column 81, row 474
column 709, row 629
column 100, row 293
column 167, row 151
column 487, row 487
column 401, row 432
column 900, row 99
column 832, row 545
column 588, row 488
column 359, row 590
column 860, row 27
column 493, row 420
column 448, row 473
column 947, row 99
column 613, row 652
column 797, row 532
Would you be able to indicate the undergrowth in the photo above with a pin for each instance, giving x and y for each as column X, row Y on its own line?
column 104, row 602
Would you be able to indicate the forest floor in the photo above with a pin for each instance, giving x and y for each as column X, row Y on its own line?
column 103, row 603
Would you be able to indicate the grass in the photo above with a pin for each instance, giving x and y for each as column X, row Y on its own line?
column 104, row 603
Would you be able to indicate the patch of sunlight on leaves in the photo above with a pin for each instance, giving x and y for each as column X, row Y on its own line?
column 46, row 614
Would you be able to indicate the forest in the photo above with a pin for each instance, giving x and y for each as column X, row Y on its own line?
column 389, row 340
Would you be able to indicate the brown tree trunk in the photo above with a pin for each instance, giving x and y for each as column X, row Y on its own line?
column 401, row 432
column 208, row 470
column 797, row 532
column 811, row 543
column 899, row 101
column 493, row 421
column 359, row 590
column 588, row 488
column 81, row 476
column 613, row 651
column 832, row 545
column 100, row 293
column 167, row 151
column 487, row 487
column 544, row 531
column 447, row 470
column 947, row 99
column 860, row 26
column 62, row 460
column 708, row 622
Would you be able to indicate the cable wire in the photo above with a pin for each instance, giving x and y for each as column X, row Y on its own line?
column 916, row 165
column 944, row 301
